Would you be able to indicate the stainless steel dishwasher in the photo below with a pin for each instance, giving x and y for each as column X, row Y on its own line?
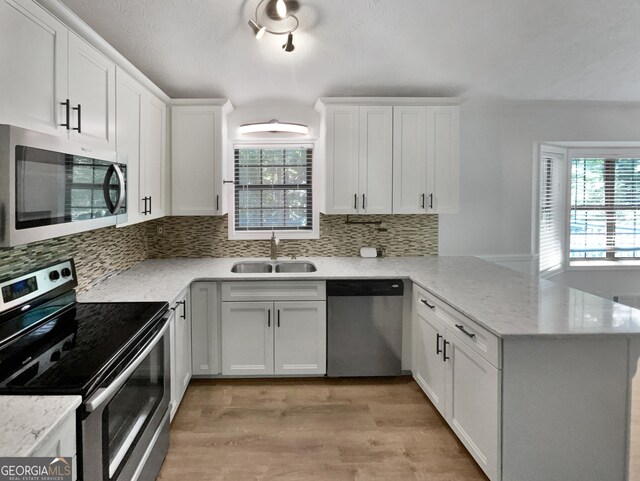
column 364, row 327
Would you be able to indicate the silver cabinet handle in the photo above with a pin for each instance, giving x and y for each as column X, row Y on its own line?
column 105, row 393
column 470, row 334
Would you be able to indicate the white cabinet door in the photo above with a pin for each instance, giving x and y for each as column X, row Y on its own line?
column 429, row 369
column 205, row 328
column 196, row 160
column 301, row 337
column 375, row 160
column 129, row 94
column 443, row 159
column 342, row 147
column 473, row 403
column 153, row 158
column 247, row 338
column 33, row 72
column 409, row 160
column 92, row 91
column 183, row 345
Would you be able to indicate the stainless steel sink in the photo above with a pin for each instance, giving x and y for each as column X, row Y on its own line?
column 252, row 268
column 295, row 267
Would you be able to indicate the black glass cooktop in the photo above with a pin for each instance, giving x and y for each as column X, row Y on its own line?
column 73, row 351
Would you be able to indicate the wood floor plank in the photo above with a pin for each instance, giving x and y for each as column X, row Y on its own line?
column 313, row 429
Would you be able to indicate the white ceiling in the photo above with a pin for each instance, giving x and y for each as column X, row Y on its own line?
column 524, row 49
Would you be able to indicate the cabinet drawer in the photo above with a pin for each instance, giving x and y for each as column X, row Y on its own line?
column 274, row 291
column 475, row 336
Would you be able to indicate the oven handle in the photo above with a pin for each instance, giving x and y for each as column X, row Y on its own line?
column 95, row 401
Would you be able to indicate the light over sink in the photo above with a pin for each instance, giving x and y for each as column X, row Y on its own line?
column 258, row 267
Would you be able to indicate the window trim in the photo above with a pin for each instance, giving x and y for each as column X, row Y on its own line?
column 600, row 264
column 314, row 233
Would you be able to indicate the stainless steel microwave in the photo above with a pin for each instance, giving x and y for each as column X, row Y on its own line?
column 51, row 187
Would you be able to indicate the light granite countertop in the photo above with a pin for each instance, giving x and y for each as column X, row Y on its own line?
column 505, row 302
column 28, row 421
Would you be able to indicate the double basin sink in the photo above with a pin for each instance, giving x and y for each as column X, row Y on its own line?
column 258, row 267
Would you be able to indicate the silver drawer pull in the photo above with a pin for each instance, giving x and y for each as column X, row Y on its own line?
column 470, row 334
column 426, row 303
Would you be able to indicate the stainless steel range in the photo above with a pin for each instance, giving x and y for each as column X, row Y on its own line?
column 115, row 355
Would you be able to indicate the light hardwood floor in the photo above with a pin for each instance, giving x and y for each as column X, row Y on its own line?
column 313, row 429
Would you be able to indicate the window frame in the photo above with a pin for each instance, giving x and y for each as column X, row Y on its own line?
column 314, row 232
column 606, row 263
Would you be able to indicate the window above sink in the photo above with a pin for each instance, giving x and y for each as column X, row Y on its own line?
column 273, row 192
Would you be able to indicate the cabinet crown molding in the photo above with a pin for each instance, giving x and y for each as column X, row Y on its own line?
column 322, row 102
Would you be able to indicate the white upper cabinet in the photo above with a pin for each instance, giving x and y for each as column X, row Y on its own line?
column 398, row 157
column 342, row 156
column 426, row 164
column 153, row 157
column 409, row 160
column 197, row 158
column 376, row 160
column 33, row 76
column 129, row 96
column 443, row 159
column 92, row 93
column 358, row 154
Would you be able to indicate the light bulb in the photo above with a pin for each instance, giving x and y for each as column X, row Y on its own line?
column 281, row 8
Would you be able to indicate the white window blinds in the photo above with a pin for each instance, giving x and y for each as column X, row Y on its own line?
column 273, row 188
column 552, row 211
column 605, row 209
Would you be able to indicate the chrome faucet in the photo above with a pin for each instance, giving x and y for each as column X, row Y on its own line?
column 274, row 246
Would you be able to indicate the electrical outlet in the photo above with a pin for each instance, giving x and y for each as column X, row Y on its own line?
column 160, row 231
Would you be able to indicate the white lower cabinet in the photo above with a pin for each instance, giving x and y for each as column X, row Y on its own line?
column 462, row 384
column 61, row 443
column 473, row 403
column 273, row 336
column 247, row 338
column 266, row 338
column 300, row 337
column 180, row 350
column 428, row 369
column 205, row 328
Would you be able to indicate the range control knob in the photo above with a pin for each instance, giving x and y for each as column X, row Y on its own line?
column 54, row 275
column 66, row 272
column 55, row 356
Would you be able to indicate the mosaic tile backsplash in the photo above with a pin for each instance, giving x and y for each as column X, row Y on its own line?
column 105, row 252
column 400, row 235
column 98, row 254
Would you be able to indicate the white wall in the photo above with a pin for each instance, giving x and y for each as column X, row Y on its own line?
column 497, row 142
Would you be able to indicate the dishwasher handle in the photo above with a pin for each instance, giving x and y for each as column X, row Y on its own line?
column 369, row 287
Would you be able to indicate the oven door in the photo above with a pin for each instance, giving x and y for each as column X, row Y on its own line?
column 126, row 419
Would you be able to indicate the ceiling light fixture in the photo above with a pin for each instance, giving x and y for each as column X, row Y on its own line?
column 275, row 11
column 258, row 31
column 274, row 126
column 281, row 8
